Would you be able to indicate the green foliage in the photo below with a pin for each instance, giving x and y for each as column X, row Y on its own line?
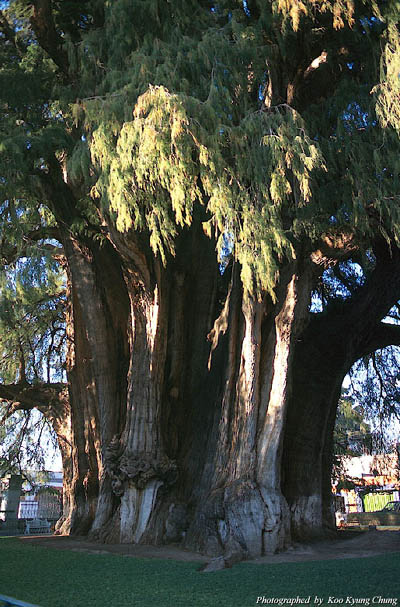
column 263, row 116
column 32, row 324
column 388, row 91
column 293, row 10
column 25, row 443
column 352, row 435
column 367, row 410
column 32, row 349
column 182, row 122
column 375, row 387
column 252, row 169
column 166, row 159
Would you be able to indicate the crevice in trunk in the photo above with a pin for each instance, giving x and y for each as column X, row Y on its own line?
column 238, row 505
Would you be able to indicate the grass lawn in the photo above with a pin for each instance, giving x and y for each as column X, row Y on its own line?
column 55, row 578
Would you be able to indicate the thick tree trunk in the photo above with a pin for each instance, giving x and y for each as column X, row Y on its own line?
column 199, row 457
column 171, row 312
column 177, row 437
column 136, row 460
column 97, row 359
column 325, row 352
column 97, row 364
column 321, row 362
column 238, row 504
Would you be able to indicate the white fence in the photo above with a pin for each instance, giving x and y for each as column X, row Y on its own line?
column 45, row 506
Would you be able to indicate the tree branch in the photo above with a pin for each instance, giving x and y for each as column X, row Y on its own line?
column 335, row 247
column 22, row 365
column 383, row 334
column 24, row 396
column 10, row 253
column 43, row 25
column 9, row 33
column 382, row 289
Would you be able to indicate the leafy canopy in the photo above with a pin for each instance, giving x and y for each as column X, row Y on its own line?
column 353, row 434
column 269, row 115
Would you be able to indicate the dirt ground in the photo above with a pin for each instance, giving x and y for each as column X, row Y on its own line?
column 347, row 545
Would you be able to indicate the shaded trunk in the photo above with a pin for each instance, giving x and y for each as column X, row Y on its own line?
column 238, row 504
column 198, row 460
column 97, row 366
column 332, row 342
column 186, row 394
column 171, row 312
column 321, row 362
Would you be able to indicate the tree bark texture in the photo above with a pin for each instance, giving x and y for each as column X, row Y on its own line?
column 198, row 414
column 191, row 451
column 97, row 365
column 195, row 414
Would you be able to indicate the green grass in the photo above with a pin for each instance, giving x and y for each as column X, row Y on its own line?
column 55, row 578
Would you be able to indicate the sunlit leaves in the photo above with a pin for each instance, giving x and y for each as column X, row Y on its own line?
column 176, row 152
column 342, row 11
column 32, row 331
column 166, row 110
column 388, row 91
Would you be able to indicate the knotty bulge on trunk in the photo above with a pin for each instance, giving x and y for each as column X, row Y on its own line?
column 196, row 455
column 201, row 405
column 222, row 440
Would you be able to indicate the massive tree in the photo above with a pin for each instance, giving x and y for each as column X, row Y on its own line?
column 208, row 170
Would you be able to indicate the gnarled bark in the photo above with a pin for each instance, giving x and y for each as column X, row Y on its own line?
column 97, row 366
column 240, row 507
column 206, row 426
column 221, row 494
column 180, row 438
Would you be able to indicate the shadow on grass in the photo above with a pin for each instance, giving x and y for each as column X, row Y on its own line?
column 54, row 578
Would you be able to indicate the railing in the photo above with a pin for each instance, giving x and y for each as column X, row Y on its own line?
column 28, row 509
column 8, row 601
column 47, row 507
